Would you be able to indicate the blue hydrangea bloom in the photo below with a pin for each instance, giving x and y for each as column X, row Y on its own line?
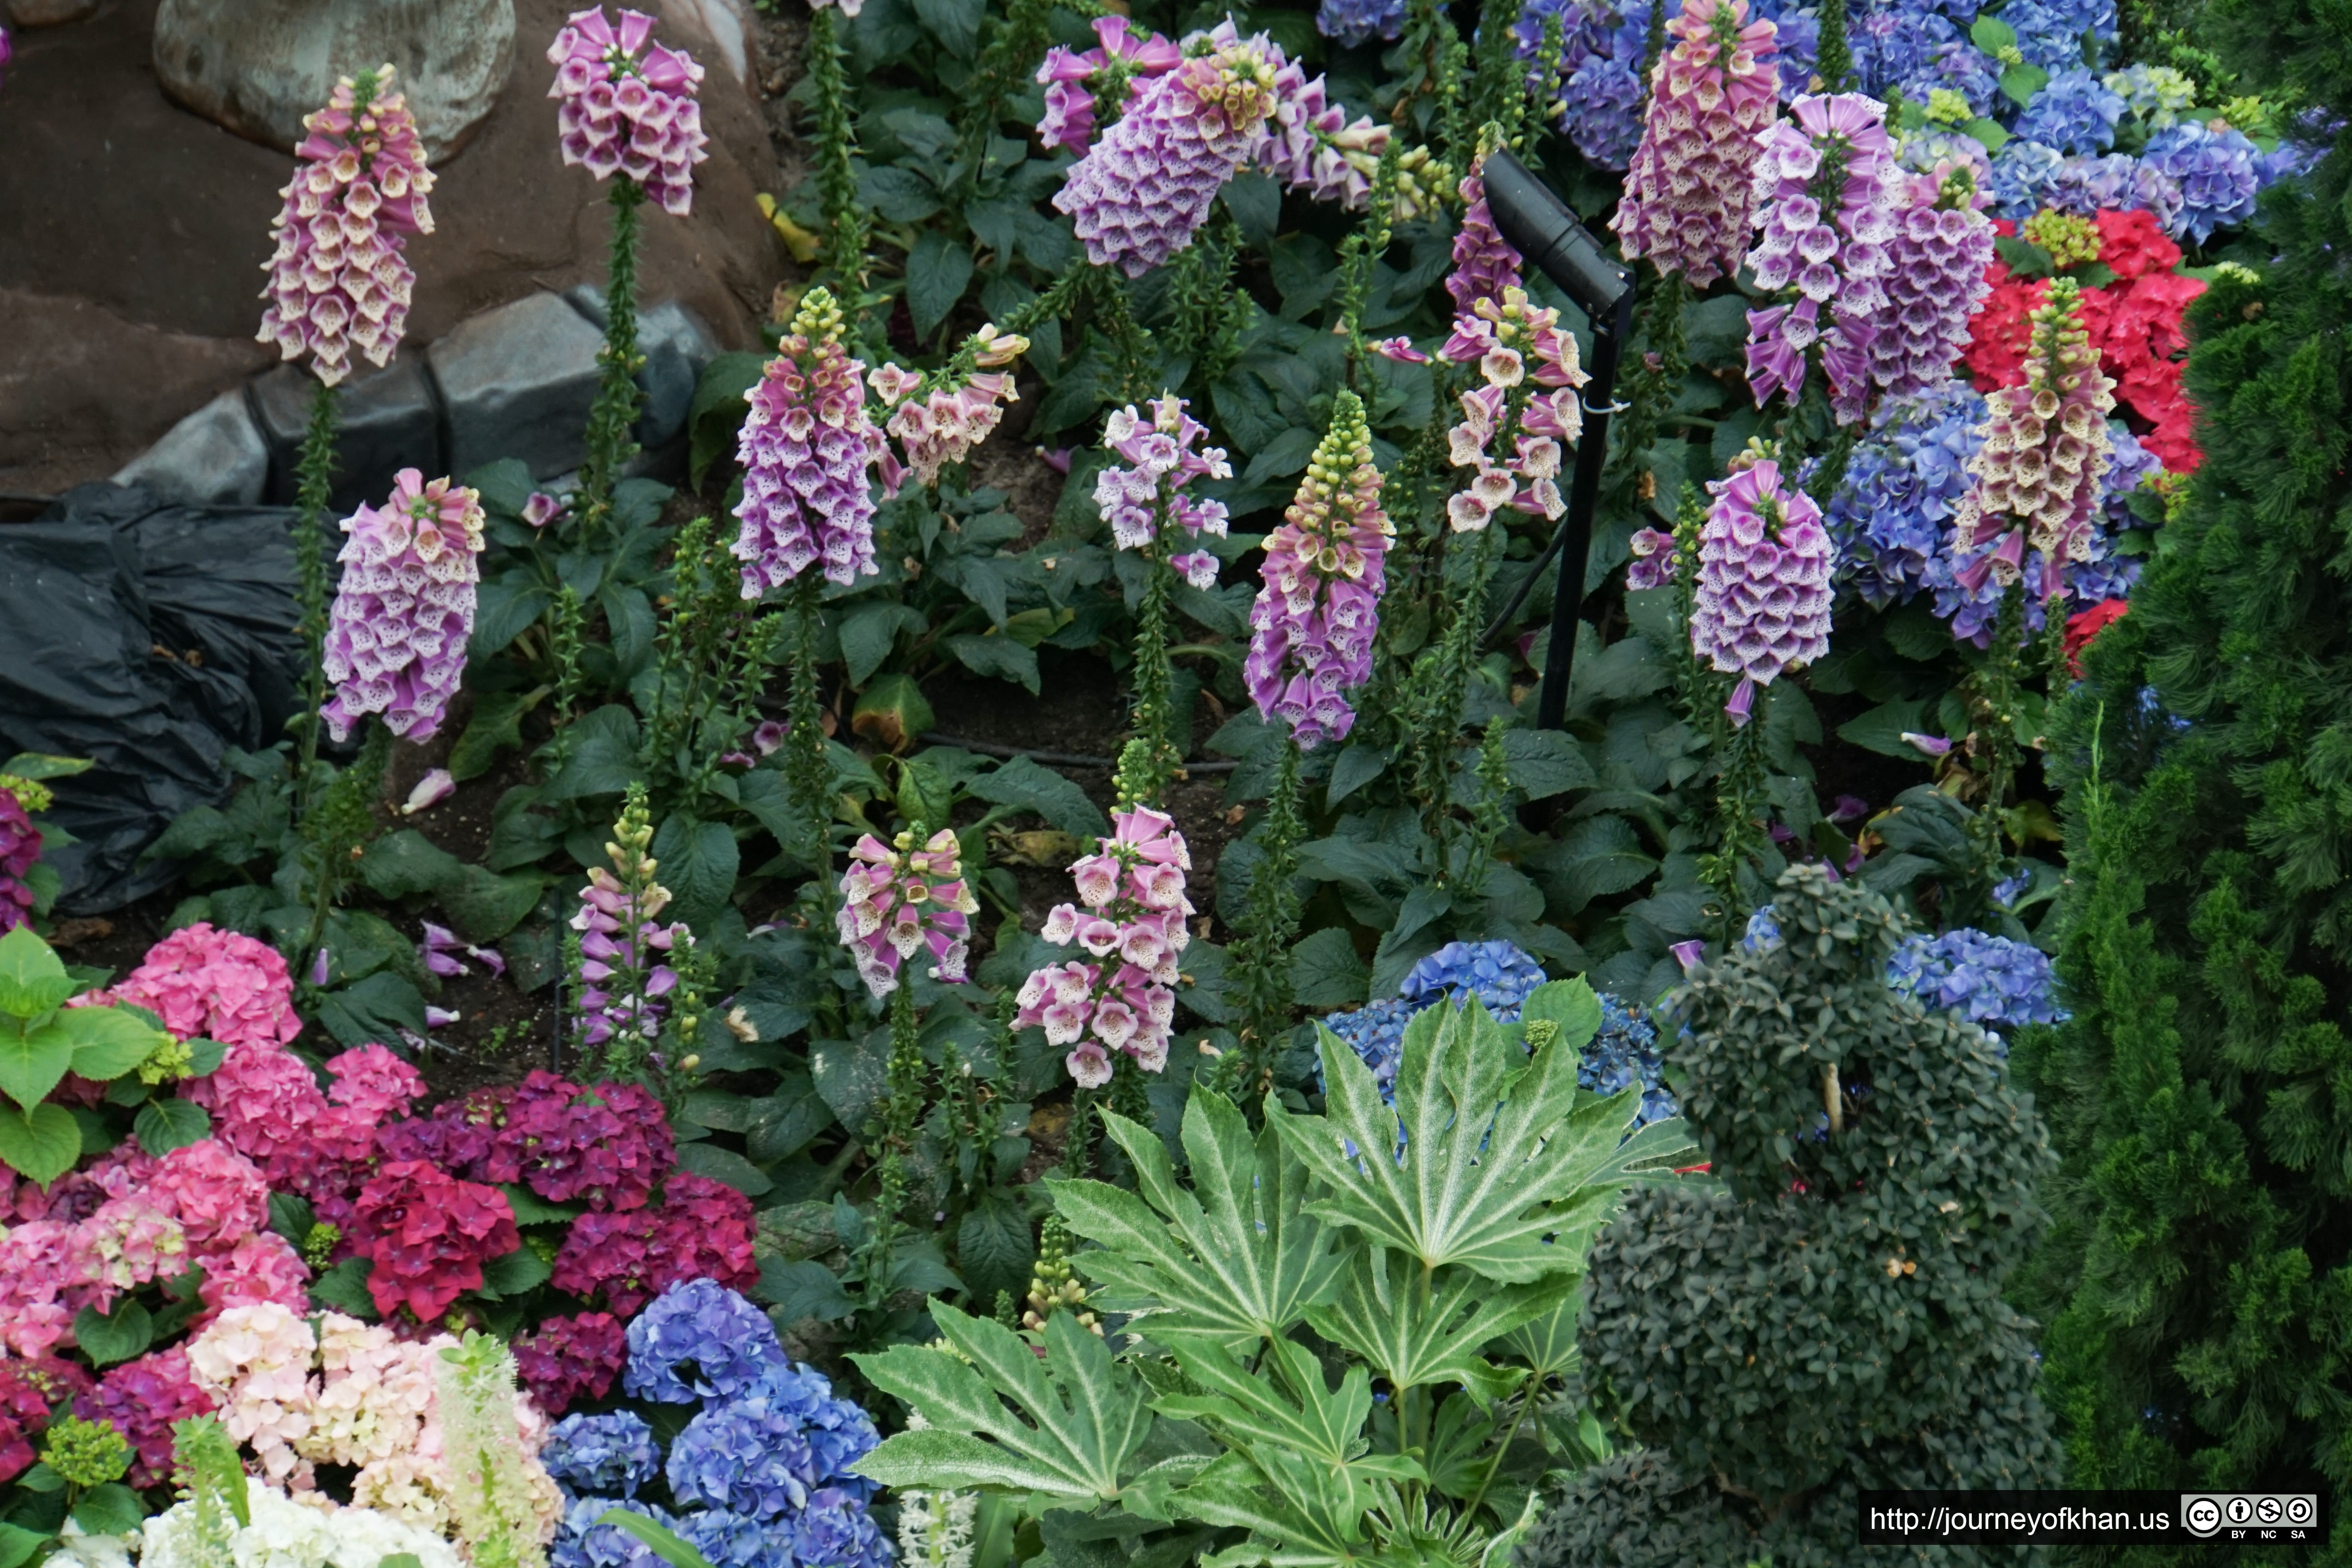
column 581, row 1543
column 1497, row 973
column 2049, row 33
column 1957, row 66
column 1901, row 487
column 738, row 1541
column 722, row 1341
column 2023, row 171
column 1349, row 23
column 1922, row 151
column 2216, row 174
column 1376, row 1032
column 837, row 1533
column 1891, row 47
column 1601, row 107
column 1622, row 1053
column 1989, row 980
column 2084, row 184
column 609, row 1455
column 744, row 1456
column 2006, row 892
column 1798, row 42
column 2074, row 112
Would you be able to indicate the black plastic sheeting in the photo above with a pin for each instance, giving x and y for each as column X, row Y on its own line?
column 149, row 636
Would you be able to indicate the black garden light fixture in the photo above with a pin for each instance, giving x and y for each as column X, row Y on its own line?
column 1542, row 229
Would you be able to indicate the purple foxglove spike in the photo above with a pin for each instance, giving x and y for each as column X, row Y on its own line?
column 1743, row 700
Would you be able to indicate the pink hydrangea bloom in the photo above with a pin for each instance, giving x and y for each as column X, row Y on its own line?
column 397, row 632
column 1311, row 627
column 428, row 1235
column 1484, row 263
column 628, row 105
column 261, row 1269
column 37, row 1268
column 605, row 1147
column 1139, row 194
column 564, row 1359
column 142, row 1398
column 1139, row 501
column 219, row 1196
column 1132, row 928
column 214, row 984
column 897, row 901
column 254, row 1364
column 1072, row 79
column 2037, row 480
column 1942, row 249
column 1692, row 188
column 1530, row 371
column 338, row 278
column 1827, row 247
column 1762, row 606
column 373, row 1082
column 20, row 846
column 265, row 1105
column 808, row 451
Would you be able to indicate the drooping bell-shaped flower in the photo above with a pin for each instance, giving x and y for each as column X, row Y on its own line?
column 1150, row 492
column 1692, row 188
column 808, row 451
column 899, row 901
column 1942, row 245
column 628, row 105
column 337, row 279
column 1122, row 996
column 397, row 632
column 1762, row 601
column 1311, row 627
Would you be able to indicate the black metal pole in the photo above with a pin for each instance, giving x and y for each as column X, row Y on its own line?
column 1576, row 524
column 1547, row 233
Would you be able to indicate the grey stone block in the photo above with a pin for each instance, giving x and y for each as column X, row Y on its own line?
column 518, row 382
column 216, row 457
column 677, row 348
column 387, row 421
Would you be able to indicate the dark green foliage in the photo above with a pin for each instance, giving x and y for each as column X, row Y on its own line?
column 2201, row 1267
column 1828, row 1316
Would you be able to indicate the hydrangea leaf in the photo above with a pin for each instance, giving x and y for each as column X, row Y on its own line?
column 106, row 1041
column 32, row 979
column 1495, row 1167
column 40, row 1145
column 1067, row 1427
column 1235, row 1258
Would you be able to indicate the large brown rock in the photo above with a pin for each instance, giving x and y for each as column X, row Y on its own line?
column 259, row 67
column 130, row 256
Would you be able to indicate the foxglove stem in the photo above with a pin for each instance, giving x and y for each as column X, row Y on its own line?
column 1738, row 836
column 902, row 1110
column 1077, row 1142
column 845, row 221
column 314, row 487
column 1148, row 762
column 1489, row 816
column 566, row 637
column 1444, row 676
column 611, row 421
column 805, row 767
column 1262, row 957
column 1365, row 247
column 1998, row 683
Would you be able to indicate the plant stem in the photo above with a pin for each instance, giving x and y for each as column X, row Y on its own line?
column 846, row 221
column 1148, row 761
column 1262, row 957
column 611, row 421
column 1735, row 808
column 314, row 487
column 805, row 767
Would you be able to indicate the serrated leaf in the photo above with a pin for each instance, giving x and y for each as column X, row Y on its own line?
column 17, row 1544
column 800, row 1290
column 40, row 1145
column 937, row 268
column 408, row 862
column 1354, row 768
column 1298, row 1514
column 39, row 765
column 1294, row 1409
column 512, row 1273
column 1325, row 972
column 724, row 1165
column 495, row 726
column 1416, row 1335
column 31, row 967
column 1484, row 1163
column 698, row 865
column 113, row 1509
column 1001, row 656
column 994, row 1247
column 1546, row 762
column 373, row 1010
column 343, row 1289
column 108, row 1041
column 1027, row 785
column 1066, row 1426
column 163, row 1125
column 1234, row 1258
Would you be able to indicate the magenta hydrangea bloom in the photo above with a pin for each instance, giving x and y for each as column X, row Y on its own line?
column 1139, row 501
column 20, row 846
column 1132, row 927
column 1484, row 263
column 337, row 277
column 574, row 1358
column 1311, row 627
column 808, row 450
column 397, row 632
column 1072, row 79
column 605, row 1147
column 1942, row 246
column 700, row 1229
column 142, row 1398
column 1827, row 245
column 1692, row 188
column 1762, row 606
column 899, row 901
column 428, row 1235
column 1139, row 195
column 628, row 105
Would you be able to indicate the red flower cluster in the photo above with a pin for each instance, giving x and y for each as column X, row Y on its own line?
column 605, row 1147
column 2084, row 625
column 566, row 1359
column 701, row 1229
column 28, row 1390
column 2135, row 322
column 428, row 1235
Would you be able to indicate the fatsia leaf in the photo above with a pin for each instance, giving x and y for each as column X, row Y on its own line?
column 1416, row 1336
column 1485, row 1162
column 1291, row 1523
column 1235, row 1257
column 1066, row 1426
column 1291, row 1409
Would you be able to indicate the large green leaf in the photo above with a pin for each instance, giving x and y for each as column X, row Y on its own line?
column 32, row 1064
column 1485, row 1162
column 1299, row 1514
column 1071, row 1428
column 40, row 1145
column 32, row 979
column 1301, row 1414
column 106, row 1041
column 1416, row 1335
column 1235, row 1258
